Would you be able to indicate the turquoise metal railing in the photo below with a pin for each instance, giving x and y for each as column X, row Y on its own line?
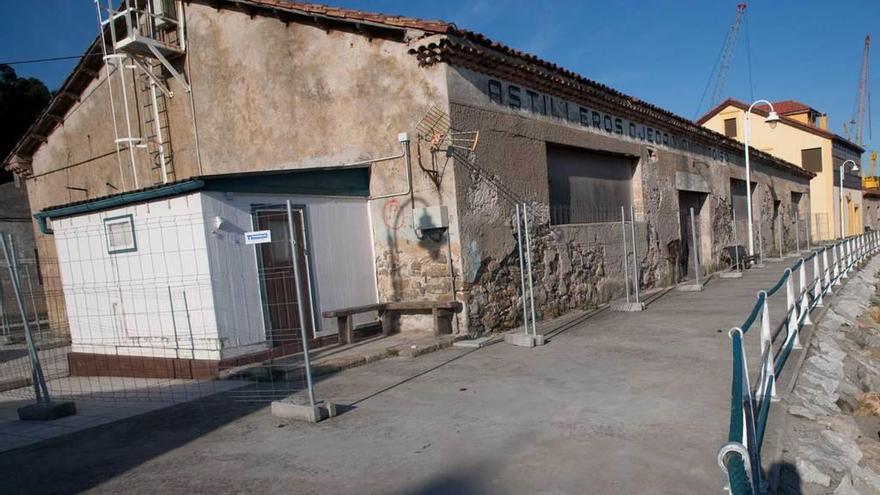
column 740, row 457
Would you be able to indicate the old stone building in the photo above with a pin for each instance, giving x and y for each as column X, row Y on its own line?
column 871, row 199
column 452, row 130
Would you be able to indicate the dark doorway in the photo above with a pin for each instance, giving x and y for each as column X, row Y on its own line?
column 777, row 227
column 686, row 201
column 276, row 272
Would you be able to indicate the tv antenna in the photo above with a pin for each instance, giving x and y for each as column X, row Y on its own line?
column 434, row 129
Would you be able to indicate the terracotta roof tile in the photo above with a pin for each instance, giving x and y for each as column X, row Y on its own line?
column 787, row 107
column 432, row 26
column 560, row 76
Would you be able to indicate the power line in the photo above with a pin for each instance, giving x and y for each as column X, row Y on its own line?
column 749, row 58
column 51, row 59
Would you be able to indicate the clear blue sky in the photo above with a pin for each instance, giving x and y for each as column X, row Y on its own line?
column 660, row 51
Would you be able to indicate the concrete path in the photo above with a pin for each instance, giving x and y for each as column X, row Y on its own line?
column 621, row 403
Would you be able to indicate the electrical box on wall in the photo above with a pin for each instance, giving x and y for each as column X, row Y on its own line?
column 432, row 217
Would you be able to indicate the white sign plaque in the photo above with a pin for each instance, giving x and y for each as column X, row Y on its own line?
column 258, row 237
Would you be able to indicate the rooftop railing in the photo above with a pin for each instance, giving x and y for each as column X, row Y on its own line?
column 740, row 457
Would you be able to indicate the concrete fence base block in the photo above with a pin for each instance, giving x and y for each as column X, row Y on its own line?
column 523, row 340
column 303, row 412
column 730, row 275
column 10, row 339
column 628, row 307
column 472, row 343
column 46, row 411
column 691, row 287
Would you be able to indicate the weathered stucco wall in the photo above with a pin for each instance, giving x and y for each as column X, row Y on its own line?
column 15, row 220
column 78, row 161
column 272, row 95
column 577, row 266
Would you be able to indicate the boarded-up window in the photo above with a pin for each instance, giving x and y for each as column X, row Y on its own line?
column 738, row 198
column 811, row 159
column 588, row 186
column 730, row 127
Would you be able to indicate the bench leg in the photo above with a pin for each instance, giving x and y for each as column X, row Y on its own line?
column 385, row 317
column 345, row 329
column 442, row 322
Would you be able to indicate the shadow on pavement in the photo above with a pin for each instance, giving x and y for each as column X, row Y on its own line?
column 82, row 460
column 789, row 479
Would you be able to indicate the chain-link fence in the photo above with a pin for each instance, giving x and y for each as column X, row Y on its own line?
column 166, row 308
column 821, row 228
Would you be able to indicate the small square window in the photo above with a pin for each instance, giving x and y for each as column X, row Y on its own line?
column 730, row 127
column 120, row 234
column 811, row 159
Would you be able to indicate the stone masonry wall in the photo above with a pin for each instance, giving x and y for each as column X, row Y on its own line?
column 580, row 266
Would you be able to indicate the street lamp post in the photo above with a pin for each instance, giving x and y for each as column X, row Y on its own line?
column 854, row 168
column 772, row 119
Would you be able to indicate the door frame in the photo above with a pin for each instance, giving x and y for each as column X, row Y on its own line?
column 700, row 217
column 310, row 275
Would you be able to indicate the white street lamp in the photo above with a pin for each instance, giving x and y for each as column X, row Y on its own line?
column 854, row 168
column 772, row 119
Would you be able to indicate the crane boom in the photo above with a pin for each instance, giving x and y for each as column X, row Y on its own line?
column 727, row 54
column 857, row 124
column 719, row 71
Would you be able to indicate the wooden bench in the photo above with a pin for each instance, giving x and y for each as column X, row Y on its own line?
column 739, row 251
column 441, row 310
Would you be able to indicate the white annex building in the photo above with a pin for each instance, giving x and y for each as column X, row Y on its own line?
column 169, row 273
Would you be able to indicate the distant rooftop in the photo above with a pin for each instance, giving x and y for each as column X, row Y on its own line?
column 787, row 107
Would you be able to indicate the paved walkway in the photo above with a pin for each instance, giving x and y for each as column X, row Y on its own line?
column 99, row 401
column 621, row 403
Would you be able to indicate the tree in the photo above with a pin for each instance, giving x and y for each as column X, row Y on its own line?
column 21, row 101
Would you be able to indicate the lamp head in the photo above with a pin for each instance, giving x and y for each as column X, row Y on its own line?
column 855, row 168
column 772, row 119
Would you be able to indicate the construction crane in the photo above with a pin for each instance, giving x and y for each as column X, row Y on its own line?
column 719, row 72
column 863, row 102
column 871, row 181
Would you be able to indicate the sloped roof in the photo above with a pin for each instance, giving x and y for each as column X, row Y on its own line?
column 787, row 107
column 473, row 43
column 733, row 102
column 325, row 181
column 92, row 61
column 432, row 26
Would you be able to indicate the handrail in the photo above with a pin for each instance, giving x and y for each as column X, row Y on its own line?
column 736, row 389
column 785, row 275
column 740, row 458
column 756, row 310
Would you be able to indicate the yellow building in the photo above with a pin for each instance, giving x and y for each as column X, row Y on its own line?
column 801, row 137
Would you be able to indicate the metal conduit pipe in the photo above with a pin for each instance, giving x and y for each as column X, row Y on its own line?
column 403, row 138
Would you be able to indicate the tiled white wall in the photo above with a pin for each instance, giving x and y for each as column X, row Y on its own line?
column 342, row 259
column 155, row 301
column 191, row 289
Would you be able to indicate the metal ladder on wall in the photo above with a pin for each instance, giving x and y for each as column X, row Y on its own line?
column 145, row 37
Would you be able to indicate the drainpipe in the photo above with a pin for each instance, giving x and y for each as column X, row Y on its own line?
column 43, row 224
